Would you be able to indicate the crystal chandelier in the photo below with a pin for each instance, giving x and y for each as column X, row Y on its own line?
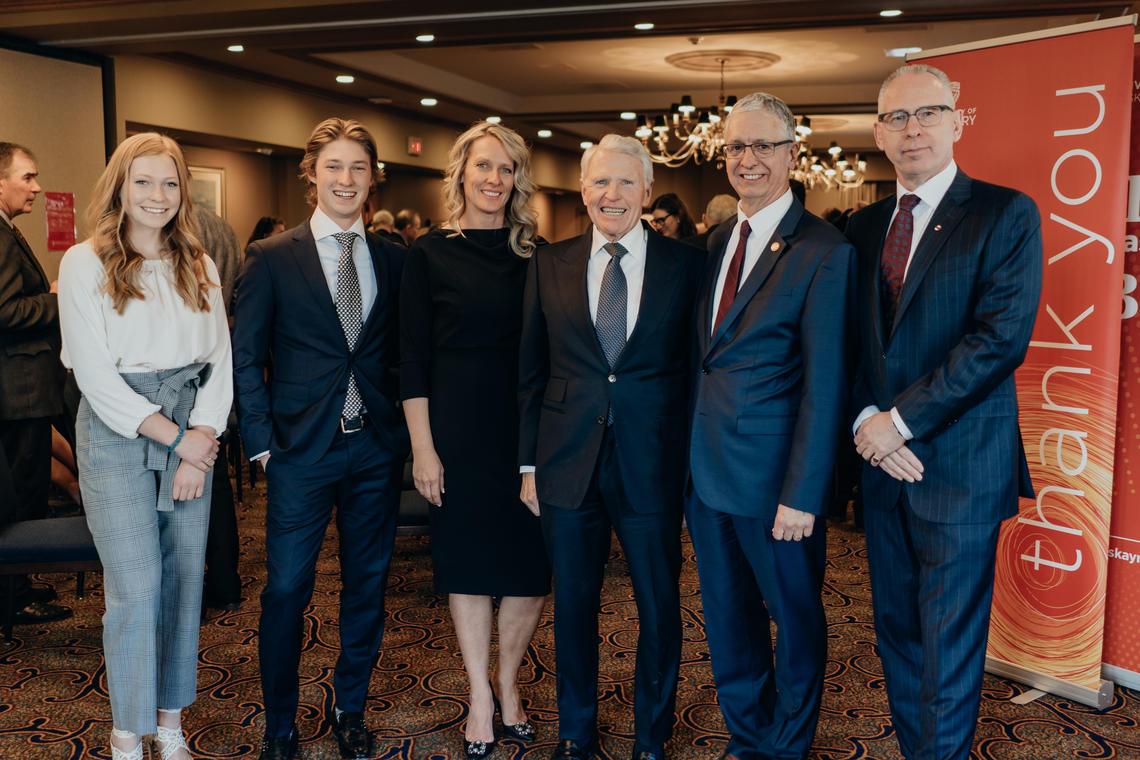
column 687, row 132
column 819, row 172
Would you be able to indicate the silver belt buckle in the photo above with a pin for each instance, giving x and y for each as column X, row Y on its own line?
column 353, row 425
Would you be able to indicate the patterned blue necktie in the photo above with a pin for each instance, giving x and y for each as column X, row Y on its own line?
column 609, row 324
column 351, row 313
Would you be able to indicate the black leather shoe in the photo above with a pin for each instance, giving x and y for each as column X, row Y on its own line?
column 352, row 735
column 279, row 747
column 523, row 732
column 568, row 749
column 478, row 749
column 38, row 594
column 40, row 612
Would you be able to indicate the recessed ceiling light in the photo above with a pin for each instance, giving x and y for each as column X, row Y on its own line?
column 494, row 119
column 425, row 38
column 902, row 52
column 345, row 78
column 644, row 26
column 628, row 116
column 428, row 102
column 890, row 13
column 544, row 133
column 585, row 144
column 236, row 48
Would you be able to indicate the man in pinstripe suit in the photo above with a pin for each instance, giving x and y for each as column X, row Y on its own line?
column 949, row 275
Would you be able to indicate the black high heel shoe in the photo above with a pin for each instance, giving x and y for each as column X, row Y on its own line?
column 477, row 750
column 523, row 732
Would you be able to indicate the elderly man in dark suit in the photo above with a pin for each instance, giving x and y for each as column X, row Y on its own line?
column 321, row 301
column 949, row 275
column 603, row 389
column 771, row 381
column 31, row 376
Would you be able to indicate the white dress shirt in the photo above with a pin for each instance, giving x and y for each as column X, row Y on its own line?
column 156, row 333
column 632, row 266
column 930, row 194
column 762, row 226
column 328, row 250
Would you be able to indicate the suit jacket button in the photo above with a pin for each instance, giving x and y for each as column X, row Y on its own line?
column 612, row 378
column 601, row 420
column 704, row 370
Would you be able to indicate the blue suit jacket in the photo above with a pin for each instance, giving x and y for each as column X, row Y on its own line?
column 565, row 387
column 285, row 317
column 962, row 327
column 771, row 384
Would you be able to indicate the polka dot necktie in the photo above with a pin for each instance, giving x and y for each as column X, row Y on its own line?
column 610, row 322
column 896, row 251
column 351, row 314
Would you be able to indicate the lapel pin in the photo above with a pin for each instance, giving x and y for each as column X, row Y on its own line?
column 937, row 227
column 775, row 246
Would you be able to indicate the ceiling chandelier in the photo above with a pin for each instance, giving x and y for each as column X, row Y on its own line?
column 834, row 170
column 686, row 132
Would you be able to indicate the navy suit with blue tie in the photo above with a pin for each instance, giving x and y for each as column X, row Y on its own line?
column 285, row 319
column 769, row 399
column 945, row 363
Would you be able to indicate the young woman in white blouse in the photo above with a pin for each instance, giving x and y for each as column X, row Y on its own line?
column 145, row 331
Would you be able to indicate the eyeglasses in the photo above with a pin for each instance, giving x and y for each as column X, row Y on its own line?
column 927, row 116
column 760, row 149
column 659, row 221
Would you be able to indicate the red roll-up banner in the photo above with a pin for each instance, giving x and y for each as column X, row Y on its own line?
column 1048, row 113
column 1122, row 606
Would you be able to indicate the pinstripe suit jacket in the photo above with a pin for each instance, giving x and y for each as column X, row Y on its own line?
column 962, row 327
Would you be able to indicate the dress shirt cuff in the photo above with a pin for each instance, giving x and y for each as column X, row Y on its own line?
column 524, row 469
column 863, row 415
column 904, row 431
column 255, row 457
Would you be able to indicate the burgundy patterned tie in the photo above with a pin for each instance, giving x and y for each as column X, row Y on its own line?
column 732, row 279
column 896, row 251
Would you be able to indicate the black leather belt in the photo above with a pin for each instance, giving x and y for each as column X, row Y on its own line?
column 350, row 425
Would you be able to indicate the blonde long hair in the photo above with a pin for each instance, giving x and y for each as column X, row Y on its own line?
column 108, row 220
column 519, row 216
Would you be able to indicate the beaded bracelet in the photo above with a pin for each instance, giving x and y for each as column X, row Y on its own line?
column 181, row 432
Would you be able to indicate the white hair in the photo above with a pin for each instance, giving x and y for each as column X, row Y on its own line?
column 919, row 68
column 762, row 101
column 630, row 146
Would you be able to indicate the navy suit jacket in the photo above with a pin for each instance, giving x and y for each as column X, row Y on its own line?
column 962, row 327
column 285, row 317
column 564, row 380
column 771, row 385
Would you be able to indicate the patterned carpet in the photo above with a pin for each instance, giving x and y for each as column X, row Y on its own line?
column 53, row 703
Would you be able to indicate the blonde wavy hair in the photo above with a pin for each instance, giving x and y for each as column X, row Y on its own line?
column 108, row 220
column 519, row 216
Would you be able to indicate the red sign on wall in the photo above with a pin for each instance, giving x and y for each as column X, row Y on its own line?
column 60, row 220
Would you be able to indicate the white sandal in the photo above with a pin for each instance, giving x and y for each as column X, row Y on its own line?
column 127, row 754
column 169, row 741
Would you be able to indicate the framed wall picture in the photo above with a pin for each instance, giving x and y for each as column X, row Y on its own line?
column 208, row 188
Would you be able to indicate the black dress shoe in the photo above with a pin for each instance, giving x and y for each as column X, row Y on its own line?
column 568, row 749
column 524, row 732
column 279, row 747
column 352, row 735
column 478, row 749
column 40, row 612
column 38, row 594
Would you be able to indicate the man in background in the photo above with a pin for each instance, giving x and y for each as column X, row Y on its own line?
column 407, row 224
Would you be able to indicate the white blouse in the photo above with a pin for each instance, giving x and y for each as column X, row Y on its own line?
column 160, row 332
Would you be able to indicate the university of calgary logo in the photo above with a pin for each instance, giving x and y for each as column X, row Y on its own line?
column 968, row 114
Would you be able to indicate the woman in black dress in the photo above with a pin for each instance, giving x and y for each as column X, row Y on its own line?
column 460, row 319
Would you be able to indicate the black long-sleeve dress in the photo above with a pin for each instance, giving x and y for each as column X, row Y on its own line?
column 460, row 320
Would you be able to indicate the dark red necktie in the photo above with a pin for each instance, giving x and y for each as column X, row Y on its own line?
column 896, row 251
column 732, row 279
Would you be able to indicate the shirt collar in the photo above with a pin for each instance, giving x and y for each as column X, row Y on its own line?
column 768, row 217
column 633, row 241
column 323, row 227
column 5, row 218
column 934, row 189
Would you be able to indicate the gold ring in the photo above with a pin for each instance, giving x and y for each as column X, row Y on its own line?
column 875, row 461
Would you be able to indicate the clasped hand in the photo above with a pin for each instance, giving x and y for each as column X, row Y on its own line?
column 879, row 442
column 197, row 449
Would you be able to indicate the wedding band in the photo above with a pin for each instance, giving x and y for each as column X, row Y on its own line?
column 875, row 461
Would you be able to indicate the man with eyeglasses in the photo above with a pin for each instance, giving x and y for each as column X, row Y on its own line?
column 770, row 387
column 949, row 276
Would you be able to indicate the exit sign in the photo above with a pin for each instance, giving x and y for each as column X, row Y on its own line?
column 415, row 146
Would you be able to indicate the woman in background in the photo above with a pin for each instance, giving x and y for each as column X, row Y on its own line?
column 267, row 226
column 145, row 331
column 669, row 216
column 460, row 322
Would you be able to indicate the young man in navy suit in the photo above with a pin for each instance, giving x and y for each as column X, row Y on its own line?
column 949, row 280
column 771, row 380
column 602, row 392
column 320, row 302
